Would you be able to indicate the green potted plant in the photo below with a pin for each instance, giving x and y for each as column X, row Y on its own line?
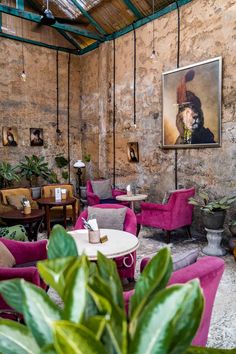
column 93, row 319
column 213, row 212
column 34, row 167
column 62, row 162
column 8, row 175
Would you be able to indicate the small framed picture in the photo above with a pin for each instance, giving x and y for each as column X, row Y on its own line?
column 132, row 152
column 36, row 137
column 9, row 136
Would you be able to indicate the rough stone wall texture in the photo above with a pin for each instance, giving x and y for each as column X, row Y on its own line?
column 32, row 104
column 207, row 30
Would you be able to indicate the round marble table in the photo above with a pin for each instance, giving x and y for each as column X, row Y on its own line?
column 132, row 198
column 120, row 243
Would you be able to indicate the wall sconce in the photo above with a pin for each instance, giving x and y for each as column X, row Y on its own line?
column 79, row 164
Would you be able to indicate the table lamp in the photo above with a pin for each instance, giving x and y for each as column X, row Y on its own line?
column 79, row 164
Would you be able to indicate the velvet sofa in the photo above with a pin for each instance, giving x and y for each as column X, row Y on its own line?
column 209, row 271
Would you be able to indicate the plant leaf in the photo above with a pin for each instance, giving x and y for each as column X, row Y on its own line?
column 61, row 244
column 54, row 271
column 76, row 339
column 96, row 325
column 154, row 277
column 199, row 350
column 16, row 338
column 12, row 292
column 169, row 321
column 75, row 294
column 39, row 313
column 48, row 349
column 108, row 272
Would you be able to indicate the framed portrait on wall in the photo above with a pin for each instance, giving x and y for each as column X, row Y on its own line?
column 192, row 105
column 9, row 136
column 36, row 137
column 132, row 152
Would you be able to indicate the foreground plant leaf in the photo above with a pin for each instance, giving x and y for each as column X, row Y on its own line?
column 48, row 349
column 39, row 313
column 169, row 322
column 54, row 271
column 75, row 294
column 154, row 277
column 12, row 293
column 108, row 272
column 76, row 339
column 16, row 339
column 198, row 350
column 61, row 244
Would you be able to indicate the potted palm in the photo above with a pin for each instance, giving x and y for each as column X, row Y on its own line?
column 34, row 167
column 213, row 212
column 8, row 175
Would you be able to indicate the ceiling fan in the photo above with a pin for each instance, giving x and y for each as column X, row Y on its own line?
column 48, row 18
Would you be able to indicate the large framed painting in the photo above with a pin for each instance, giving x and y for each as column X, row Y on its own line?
column 192, row 105
column 9, row 136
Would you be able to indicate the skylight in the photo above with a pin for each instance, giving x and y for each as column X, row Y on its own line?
column 70, row 9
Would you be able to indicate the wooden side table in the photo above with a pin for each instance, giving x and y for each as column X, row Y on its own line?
column 48, row 203
column 33, row 220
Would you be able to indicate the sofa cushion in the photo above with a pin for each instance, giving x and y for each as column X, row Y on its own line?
column 16, row 232
column 108, row 218
column 16, row 200
column 102, row 188
column 6, row 258
column 184, row 259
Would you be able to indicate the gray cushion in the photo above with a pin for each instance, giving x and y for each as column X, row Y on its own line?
column 102, row 188
column 108, row 218
column 184, row 259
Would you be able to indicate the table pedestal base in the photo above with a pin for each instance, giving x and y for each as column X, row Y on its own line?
column 214, row 238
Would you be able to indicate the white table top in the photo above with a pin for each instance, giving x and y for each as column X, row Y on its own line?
column 119, row 243
column 132, row 198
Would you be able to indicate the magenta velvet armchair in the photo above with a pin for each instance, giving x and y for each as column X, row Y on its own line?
column 93, row 199
column 209, row 271
column 26, row 255
column 171, row 216
column 130, row 225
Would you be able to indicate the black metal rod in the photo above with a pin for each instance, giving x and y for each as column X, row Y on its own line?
column 114, row 113
column 68, row 116
column 135, row 72
column 57, row 74
column 177, row 64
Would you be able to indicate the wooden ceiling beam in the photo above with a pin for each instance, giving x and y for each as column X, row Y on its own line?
column 133, row 8
column 29, row 16
column 89, row 17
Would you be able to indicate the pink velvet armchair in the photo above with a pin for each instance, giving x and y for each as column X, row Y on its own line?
column 26, row 255
column 175, row 214
column 93, row 199
column 209, row 271
column 126, row 269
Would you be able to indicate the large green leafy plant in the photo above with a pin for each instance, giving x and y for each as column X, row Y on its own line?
column 93, row 319
column 203, row 201
column 8, row 174
column 34, row 167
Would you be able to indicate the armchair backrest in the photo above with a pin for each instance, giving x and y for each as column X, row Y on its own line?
column 130, row 222
column 181, row 210
column 49, row 190
column 4, row 193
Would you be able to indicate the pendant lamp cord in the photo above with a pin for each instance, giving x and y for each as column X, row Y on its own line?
column 68, row 116
column 178, row 56
column 57, row 74
column 135, row 71
column 114, row 113
column 22, row 48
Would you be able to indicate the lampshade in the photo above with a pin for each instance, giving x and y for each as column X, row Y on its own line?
column 79, row 164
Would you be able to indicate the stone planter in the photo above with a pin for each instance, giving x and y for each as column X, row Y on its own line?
column 232, row 229
column 36, row 192
column 213, row 220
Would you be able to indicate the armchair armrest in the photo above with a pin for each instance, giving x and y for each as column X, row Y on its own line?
column 25, row 252
column 92, row 198
column 29, row 274
column 116, row 192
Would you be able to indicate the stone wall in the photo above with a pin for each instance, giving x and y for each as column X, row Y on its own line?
column 32, row 104
column 207, row 30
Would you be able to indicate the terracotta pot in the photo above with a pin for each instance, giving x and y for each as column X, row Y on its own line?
column 213, row 220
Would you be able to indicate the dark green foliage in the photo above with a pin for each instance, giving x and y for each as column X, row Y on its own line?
column 61, row 161
column 8, row 175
